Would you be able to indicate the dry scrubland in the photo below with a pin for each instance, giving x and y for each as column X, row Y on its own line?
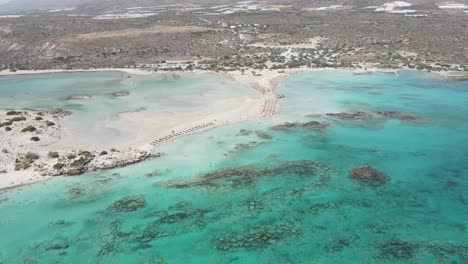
column 258, row 35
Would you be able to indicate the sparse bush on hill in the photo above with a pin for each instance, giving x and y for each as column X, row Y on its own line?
column 28, row 129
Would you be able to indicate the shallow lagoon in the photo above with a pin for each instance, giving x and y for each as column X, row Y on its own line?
column 267, row 196
column 99, row 118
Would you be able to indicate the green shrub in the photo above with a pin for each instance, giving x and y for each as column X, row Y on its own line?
column 103, row 153
column 31, row 156
column 80, row 162
column 38, row 118
column 53, row 154
column 58, row 166
column 7, row 128
column 50, row 123
column 85, row 153
column 13, row 113
column 29, row 129
column 35, row 139
column 18, row 119
column 23, row 164
column 71, row 156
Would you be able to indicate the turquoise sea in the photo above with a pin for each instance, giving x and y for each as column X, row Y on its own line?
column 247, row 193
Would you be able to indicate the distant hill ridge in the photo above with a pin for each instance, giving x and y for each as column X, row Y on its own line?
column 15, row 6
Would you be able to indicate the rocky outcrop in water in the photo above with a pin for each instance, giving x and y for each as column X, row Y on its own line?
column 396, row 115
column 260, row 134
column 315, row 125
column 56, row 244
column 243, row 176
column 120, row 94
column 354, row 115
column 128, row 204
column 368, row 176
column 78, row 97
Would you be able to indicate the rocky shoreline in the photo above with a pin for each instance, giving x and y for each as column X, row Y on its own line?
column 30, row 152
column 92, row 161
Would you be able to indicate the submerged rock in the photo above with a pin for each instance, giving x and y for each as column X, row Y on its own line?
column 58, row 243
column 311, row 125
column 128, row 204
column 354, row 115
column 396, row 115
column 239, row 177
column 285, row 126
column 257, row 237
column 111, row 238
column 313, row 115
column 78, row 97
column 120, row 94
column 340, row 243
column 457, row 78
column 260, row 134
column 314, row 125
column 397, row 250
column 368, row 176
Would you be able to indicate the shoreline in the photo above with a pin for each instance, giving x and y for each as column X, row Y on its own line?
column 147, row 72
column 266, row 105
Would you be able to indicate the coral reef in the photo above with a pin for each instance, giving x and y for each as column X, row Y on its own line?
column 128, row 204
column 256, row 237
column 247, row 175
column 397, row 115
column 315, row 125
column 354, row 115
column 368, row 176
column 397, row 250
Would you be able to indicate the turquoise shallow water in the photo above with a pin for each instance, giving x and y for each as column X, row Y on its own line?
column 268, row 196
column 96, row 119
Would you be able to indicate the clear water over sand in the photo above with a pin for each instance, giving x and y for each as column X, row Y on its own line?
column 268, row 196
column 112, row 119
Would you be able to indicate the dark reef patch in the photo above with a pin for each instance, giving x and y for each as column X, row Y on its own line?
column 397, row 115
column 368, row 176
column 128, row 204
column 256, row 237
column 396, row 250
column 399, row 250
column 354, row 115
column 260, row 134
column 340, row 243
column 238, row 177
column 315, row 125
